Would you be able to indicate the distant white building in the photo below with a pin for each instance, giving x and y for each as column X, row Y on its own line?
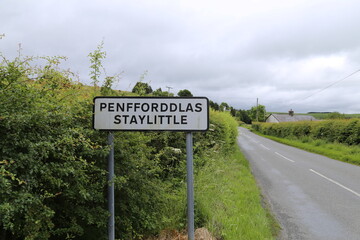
column 291, row 117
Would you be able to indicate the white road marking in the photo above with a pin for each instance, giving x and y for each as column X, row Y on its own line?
column 284, row 157
column 264, row 147
column 251, row 139
column 335, row 182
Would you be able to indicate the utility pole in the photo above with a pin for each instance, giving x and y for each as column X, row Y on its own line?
column 168, row 88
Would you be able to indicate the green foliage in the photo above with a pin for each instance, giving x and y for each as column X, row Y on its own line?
column 184, row 93
column 53, row 165
column 227, row 197
column 337, row 139
column 96, row 58
column 258, row 113
column 333, row 115
column 160, row 93
column 342, row 152
column 214, row 105
column 242, row 115
column 224, row 106
column 48, row 163
column 233, row 111
column 336, row 115
column 223, row 131
column 139, row 189
column 227, row 200
column 230, row 201
column 97, row 68
column 106, row 88
column 142, row 88
column 334, row 131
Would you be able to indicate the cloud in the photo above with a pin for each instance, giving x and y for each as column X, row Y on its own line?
column 318, row 29
column 231, row 51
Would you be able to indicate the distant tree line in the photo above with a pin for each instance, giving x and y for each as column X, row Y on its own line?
column 143, row 88
column 247, row 116
column 257, row 114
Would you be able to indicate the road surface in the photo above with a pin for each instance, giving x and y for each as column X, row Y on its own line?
column 312, row 196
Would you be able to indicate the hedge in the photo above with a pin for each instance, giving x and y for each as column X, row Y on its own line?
column 334, row 131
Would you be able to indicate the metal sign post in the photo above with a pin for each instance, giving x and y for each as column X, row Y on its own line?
column 151, row 114
column 111, row 197
column 190, row 185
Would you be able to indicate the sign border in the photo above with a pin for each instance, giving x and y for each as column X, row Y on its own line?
column 152, row 130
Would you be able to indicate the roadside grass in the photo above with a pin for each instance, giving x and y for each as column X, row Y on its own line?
column 230, row 201
column 337, row 151
column 247, row 126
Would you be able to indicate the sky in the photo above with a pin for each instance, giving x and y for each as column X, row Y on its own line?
column 288, row 54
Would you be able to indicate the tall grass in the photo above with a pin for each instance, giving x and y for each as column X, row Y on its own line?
column 337, row 151
column 229, row 199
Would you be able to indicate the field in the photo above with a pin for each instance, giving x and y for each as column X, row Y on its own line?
column 323, row 116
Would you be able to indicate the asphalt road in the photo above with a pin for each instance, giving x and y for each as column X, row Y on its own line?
column 312, row 196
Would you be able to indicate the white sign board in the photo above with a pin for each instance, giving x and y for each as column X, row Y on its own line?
column 151, row 113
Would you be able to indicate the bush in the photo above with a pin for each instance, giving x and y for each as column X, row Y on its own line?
column 48, row 162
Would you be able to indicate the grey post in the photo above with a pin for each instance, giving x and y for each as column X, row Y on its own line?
column 190, row 185
column 111, row 198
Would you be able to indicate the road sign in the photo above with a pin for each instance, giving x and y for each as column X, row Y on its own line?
column 151, row 114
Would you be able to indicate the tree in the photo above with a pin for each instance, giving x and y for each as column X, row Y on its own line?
column 142, row 88
column 160, row 93
column 243, row 116
column 96, row 63
column 257, row 114
column 214, row 105
column 232, row 111
column 106, row 88
column 184, row 93
column 96, row 67
column 224, row 106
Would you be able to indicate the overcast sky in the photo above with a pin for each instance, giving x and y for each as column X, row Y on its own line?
column 284, row 52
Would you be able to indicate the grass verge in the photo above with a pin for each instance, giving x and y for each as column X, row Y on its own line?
column 337, row 151
column 229, row 199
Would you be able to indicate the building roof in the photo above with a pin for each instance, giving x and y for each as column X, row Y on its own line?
column 294, row 118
